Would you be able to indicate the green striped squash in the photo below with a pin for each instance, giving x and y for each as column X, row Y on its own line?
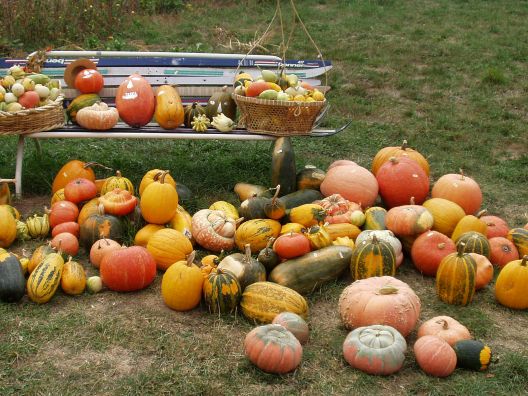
column 474, row 242
column 372, row 257
column 519, row 237
column 221, row 291
column 117, row 181
column 45, row 279
column 455, row 278
column 375, row 218
column 262, row 301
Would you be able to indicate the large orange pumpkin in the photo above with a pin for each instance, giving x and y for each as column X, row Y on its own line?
column 353, row 182
column 404, row 150
column 460, row 189
column 380, row 300
column 135, row 101
column 168, row 246
column 72, row 170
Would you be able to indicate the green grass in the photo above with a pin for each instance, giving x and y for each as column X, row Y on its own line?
column 449, row 76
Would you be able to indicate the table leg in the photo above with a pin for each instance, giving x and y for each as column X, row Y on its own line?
column 18, row 169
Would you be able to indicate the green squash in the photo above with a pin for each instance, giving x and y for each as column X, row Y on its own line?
column 221, row 291
column 474, row 242
column 372, row 257
column 191, row 111
column 310, row 177
column 221, row 102
column 375, row 218
column 283, row 170
column 12, row 281
column 472, row 354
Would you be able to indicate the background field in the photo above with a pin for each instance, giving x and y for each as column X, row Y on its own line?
column 448, row 76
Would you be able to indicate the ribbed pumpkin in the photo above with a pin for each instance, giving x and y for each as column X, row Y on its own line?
column 213, row 230
column 12, row 281
column 519, row 237
column 353, row 182
column 510, row 287
column 445, row 327
column 247, row 269
column 446, row 214
column 470, row 223
column 409, row 220
column 376, row 349
column 273, row 349
column 191, row 111
column 135, row 101
column 151, row 176
column 375, row 218
column 295, row 324
column 143, row 235
column 38, row 226
column 380, row 300
column 181, row 285
column 372, row 257
column 159, row 201
column 45, row 279
column 455, row 278
column 404, row 150
column 429, row 249
column 256, row 233
column 169, row 107
column 435, row 356
column 99, row 226
column 262, row 301
column 168, row 246
column 401, row 179
column 474, row 242
column 502, row 251
column 73, row 279
column 221, row 291
column 117, row 181
column 8, row 230
column 460, row 189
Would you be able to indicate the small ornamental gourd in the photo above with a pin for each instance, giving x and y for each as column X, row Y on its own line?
column 372, row 257
column 191, row 111
column 455, row 278
column 97, row 117
column 181, row 285
column 445, row 327
column 435, row 356
column 159, row 201
column 380, row 300
column 221, row 291
column 376, row 349
column 294, row 323
column 73, row 279
column 38, row 226
column 273, row 349
column 268, row 257
column 200, row 123
column 472, row 355
column 511, row 284
column 117, row 181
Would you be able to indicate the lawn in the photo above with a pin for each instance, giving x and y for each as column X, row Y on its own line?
column 450, row 76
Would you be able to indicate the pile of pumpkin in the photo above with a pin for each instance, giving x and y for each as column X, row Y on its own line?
column 301, row 240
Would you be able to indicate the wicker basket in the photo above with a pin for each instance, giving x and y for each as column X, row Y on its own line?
column 277, row 118
column 39, row 119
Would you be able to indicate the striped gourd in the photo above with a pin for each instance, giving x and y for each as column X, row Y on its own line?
column 375, row 218
column 474, row 242
column 372, row 257
column 262, row 301
column 45, row 279
column 38, row 256
column 38, row 226
column 519, row 237
column 256, row 233
column 455, row 278
column 221, row 291
column 117, row 181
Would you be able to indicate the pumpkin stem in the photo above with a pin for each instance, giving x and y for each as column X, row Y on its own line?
column 162, row 176
column 247, row 252
column 118, row 173
column 441, row 245
column 274, row 198
column 524, row 261
column 444, row 323
column 90, row 164
column 270, row 243
column 190, row 258
column 404, row 145
column 481, row 213
column 460, row 249
column 388, row 289
column 462, row 176
column 412, row 201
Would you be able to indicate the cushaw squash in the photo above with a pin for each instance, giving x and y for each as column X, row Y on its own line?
column 445, row 327
column 12, row 281
column 135, row 101
column 306, row 273
column 169, row 107
column 247, row 269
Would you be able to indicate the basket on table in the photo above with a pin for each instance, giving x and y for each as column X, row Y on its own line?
column 277, row 118
column 39, row 119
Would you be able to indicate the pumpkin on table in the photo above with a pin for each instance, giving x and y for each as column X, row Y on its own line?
column 169, row 107
column 376, row 349
column 380, row 300
column 445, row 327
column 273, row 349
column 97, row 117
column 435, row 356
column 512, row 283
column 135, row 101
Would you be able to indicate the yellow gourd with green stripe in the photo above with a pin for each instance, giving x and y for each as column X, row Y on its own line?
column 45, row 279
column 519, row 237
column 372, row 257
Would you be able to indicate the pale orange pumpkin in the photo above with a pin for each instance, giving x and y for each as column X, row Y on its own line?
column 445, row 327
column 435, row 356
column 404, row 150
column 100, row 248
column 213, row 230
column 98, row 117
column 502, row 251
column 460, row 189
column 484, row 272
column 409, row 220
column 496, row 226
column 159, row 201
column 168, row 246
column 380, row 300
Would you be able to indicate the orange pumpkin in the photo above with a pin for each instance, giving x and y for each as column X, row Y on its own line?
column 97, row 117
column 135, row 101
column 404, row 150
column 66, row 242
column 143, row 235
column 495, row 226
column 73, row 170
column 128, row 269
column 181, row 286
column 435, row 356
column 152, row 176
column 62, row 212
column 409, row 220
column 502, row 251
column 460, row 189
column 168, row 246
column 445, row 327
column 446, row 214
column 169, row 107
column 159, row 201
column 100, row 248
column 213, row 230
column 484, row 272
column 89, row 208
column 70, row 226
column 429, row 249
column 73, row 278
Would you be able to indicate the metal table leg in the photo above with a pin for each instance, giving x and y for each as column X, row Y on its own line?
column 18, row 169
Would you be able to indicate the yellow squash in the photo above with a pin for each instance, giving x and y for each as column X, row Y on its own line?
column 169, row 107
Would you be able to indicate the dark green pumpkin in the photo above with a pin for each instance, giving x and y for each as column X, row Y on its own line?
column 98, row 226
column 300, row 197
column 221, row 102
column 455, row 278
column 191, row 111
column 283, row 169
column 310, row 177
column 222, row 292
column 12, row 281
column 474, row 242
column 372, row 257
column 268, row 257
column 253, row 208
column 472, row 354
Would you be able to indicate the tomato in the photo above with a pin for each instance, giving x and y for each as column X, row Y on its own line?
column 256, row 87
column 80, row 190
column 89, row 81
column 292, row 244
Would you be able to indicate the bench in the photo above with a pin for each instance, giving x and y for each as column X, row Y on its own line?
column 197, row 76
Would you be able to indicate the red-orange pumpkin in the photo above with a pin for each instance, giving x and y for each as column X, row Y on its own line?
column 135, row 101
column 401, row 179
column 291, row 244
column 484, row 272
column 101, row 248
column 80, row 190
column 429, row 249
column 460, row 189
column 66, row 243
column 273, row 349
column 353, row 182
column 404, row 150
column 128, row 269
column 496, row 226
column 502, row 251
column 62, row 212
column 445, row 327
column 435, row 356
column 70, row 226
column 118, row 202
